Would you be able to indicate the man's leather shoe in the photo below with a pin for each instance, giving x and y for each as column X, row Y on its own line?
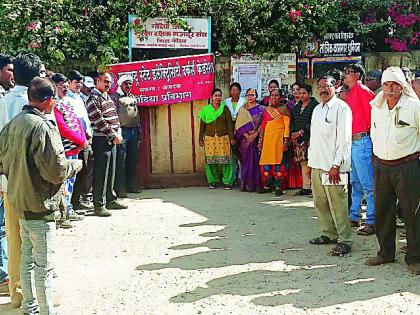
column 115, row 205
column 102, row 212
column 414, row 268
column 83, row 206
column 122, row 195
column 355, row 224
column 378, row 260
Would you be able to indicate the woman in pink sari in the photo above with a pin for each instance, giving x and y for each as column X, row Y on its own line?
column 247, row 128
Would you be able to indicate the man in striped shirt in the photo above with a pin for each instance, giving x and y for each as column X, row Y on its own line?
column 106, row 135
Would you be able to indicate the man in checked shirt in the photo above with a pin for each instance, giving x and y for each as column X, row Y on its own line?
column 106, row 136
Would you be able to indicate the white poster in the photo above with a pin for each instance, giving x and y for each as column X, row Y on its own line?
column 160, row 33
column 253, row 71
column 248, row 76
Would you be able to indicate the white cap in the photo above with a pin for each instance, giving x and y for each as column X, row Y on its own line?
column 124, row 78
column 89, row 82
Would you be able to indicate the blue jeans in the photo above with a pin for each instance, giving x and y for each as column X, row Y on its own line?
column 361, row 178
column 69, row 188
column 3, row 245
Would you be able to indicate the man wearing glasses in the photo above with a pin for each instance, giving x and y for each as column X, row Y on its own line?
column 329, row 158
column 396, row 146
column 361, row 174
column 106, row 135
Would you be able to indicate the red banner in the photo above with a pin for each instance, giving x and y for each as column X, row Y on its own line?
column 168, row 81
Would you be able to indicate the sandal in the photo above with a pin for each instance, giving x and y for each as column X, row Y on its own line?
column 368, row 229
column 340, row 250
column 322, row 240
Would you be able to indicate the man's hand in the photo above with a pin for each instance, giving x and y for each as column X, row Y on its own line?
column 118, row 139
column 78, row 165
column 334, row 175
column 86, row 144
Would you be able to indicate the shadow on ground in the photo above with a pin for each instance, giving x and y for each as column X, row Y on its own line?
column 264, row 229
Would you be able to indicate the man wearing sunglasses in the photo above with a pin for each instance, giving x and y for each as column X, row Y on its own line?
column 396, row 146
column 32, row 157
column 361, row 174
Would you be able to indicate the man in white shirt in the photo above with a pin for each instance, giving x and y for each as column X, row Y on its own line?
column 396, row 146
column 83, row 183
column 26, row 67
column 329, row 158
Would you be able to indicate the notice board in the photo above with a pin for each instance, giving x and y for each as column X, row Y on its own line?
column 252, row 71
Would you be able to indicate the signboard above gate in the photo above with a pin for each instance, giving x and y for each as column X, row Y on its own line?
column 159, row 33
column 340, row 44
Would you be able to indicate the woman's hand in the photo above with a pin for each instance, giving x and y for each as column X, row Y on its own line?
column 295, row 135
column 201, row 142
column 252, row 137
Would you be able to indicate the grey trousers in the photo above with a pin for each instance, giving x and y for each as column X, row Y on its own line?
column 332, row 209
column 37, row 263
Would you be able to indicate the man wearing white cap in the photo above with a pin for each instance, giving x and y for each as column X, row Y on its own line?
column 88, row 85
column 127, row 152
column 395, row 135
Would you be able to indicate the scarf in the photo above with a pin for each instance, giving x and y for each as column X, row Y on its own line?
column 394, row 74
column 208, row 114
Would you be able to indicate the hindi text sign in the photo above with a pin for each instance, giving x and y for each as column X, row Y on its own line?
column 160, row 33
column 168, row 81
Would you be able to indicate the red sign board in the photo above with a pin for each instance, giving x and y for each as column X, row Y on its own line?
column 168, row 81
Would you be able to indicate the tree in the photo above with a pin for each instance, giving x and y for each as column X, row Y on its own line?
column 59, row 30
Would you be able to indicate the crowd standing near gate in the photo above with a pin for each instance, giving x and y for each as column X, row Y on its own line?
column 68, row 147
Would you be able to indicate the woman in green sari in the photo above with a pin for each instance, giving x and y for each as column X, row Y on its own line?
column 216, row 136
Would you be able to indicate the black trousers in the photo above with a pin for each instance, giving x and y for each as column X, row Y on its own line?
column 83, row 183
column 127, row 160
column 104, row 155
column 391, row 183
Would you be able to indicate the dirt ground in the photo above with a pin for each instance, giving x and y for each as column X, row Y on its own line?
column 196, row 251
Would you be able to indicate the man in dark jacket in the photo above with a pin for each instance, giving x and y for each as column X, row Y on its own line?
column 33, row 160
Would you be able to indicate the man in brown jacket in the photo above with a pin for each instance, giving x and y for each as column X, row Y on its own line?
column 33, row 160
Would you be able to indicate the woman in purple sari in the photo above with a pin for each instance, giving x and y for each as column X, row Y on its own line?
column 247, row 128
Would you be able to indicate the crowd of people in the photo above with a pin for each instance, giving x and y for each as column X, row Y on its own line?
column 63, row 139
column 359, row 143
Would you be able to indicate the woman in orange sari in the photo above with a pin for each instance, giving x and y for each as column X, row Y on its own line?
column 274, row 140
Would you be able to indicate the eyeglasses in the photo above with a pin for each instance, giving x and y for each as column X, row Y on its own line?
column 326, row 86
column 347, row 71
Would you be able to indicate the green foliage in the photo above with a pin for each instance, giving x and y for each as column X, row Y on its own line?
column 59, row 30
